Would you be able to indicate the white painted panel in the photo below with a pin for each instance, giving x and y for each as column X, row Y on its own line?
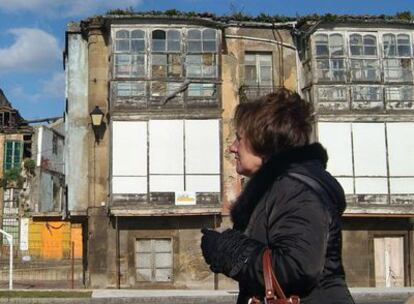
column 166, row 183
column 400, row 138
column 347, row 184
column 371, row 186
column 402, row 185
column 336, row 138
column 369, row 149
column 202, row 146
column 203, row 183
column 129, row 185
column 129, row 155
column 166, row 146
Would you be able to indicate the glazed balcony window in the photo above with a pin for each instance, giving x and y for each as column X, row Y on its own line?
column 397, row 58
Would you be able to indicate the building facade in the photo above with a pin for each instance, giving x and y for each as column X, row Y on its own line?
column 158, row 169
column 359, row 75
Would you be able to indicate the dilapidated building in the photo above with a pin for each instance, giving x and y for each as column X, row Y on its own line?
column 157, row 169
column 15, row 146
column 359, row 75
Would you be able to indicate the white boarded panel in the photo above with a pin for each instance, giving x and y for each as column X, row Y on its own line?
column 402, row 185
column 369, row 149
column 202, row 183
column 166, row 146
column 129, row 185
column 336, row 138
column 129, row 152
column 202, row 146
column 400, row 138
column 371, row 186
column 166, row 183
column 347, row 184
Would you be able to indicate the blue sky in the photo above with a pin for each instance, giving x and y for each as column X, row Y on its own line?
column 32, row 36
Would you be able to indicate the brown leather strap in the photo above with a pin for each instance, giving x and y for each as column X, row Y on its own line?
column 272, row 286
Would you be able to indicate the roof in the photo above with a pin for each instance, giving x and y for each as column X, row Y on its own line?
column 4, row 102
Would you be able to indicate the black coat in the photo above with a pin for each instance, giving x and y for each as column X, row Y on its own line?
column 302, row 228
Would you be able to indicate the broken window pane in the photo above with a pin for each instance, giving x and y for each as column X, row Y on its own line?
column 158, row 88
column 336, row 45
column 397, row 70
column 365, row 69
column 137, row 65
column 390, row 45
column 174, row 65
column 159, row 66
column 158, row 41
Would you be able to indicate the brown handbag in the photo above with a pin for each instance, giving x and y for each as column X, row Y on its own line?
column 273, row 292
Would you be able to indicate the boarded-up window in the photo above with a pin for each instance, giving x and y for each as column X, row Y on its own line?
column 375, row 157
column 129, row 157
column 175, row 150
column 400, row 154
column 153, row 260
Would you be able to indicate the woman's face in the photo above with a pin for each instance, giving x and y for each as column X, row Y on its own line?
column 247, row 162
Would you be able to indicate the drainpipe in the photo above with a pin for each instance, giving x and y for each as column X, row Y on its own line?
column 118, row 262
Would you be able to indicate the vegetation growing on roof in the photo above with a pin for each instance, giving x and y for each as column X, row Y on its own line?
column 405, row 16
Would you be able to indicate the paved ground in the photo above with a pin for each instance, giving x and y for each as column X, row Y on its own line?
column 126, row 296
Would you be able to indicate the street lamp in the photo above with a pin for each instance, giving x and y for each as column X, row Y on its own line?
column 97, row 123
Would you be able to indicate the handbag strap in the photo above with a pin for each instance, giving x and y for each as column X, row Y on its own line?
column 272, row 286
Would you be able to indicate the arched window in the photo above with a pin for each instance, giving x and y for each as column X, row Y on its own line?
column 158, row 40
column 363, row 45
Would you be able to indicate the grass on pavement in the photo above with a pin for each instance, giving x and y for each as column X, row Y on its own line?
column 44, row 294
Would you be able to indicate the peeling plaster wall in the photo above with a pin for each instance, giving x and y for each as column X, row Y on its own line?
column 238, row 41
column 77, row 119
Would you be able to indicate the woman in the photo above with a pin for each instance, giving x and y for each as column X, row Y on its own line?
column 290, row 204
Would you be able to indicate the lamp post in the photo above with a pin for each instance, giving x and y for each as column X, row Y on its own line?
column 97, row 122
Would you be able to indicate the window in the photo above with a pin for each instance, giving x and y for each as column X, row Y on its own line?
column 201, row 66
column 363, row 45
column 258, row 69
column 201, row 60
column 202, row 90
column 365, row 70
column 173, row 164
column 166, row 41
column 364, row 62
column 329, row 45
column 330, row 62
column 352, row 146
column 397, row 61
column 55, row 144
column 166, row 65
column 201, row 41
column 396, row 45
column 13, row 153
column 129, row 57
column 153, row 260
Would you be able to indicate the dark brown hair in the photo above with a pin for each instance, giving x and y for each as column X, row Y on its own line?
column 275, row 122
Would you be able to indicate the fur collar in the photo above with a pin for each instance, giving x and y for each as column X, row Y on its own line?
column 263, row 179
